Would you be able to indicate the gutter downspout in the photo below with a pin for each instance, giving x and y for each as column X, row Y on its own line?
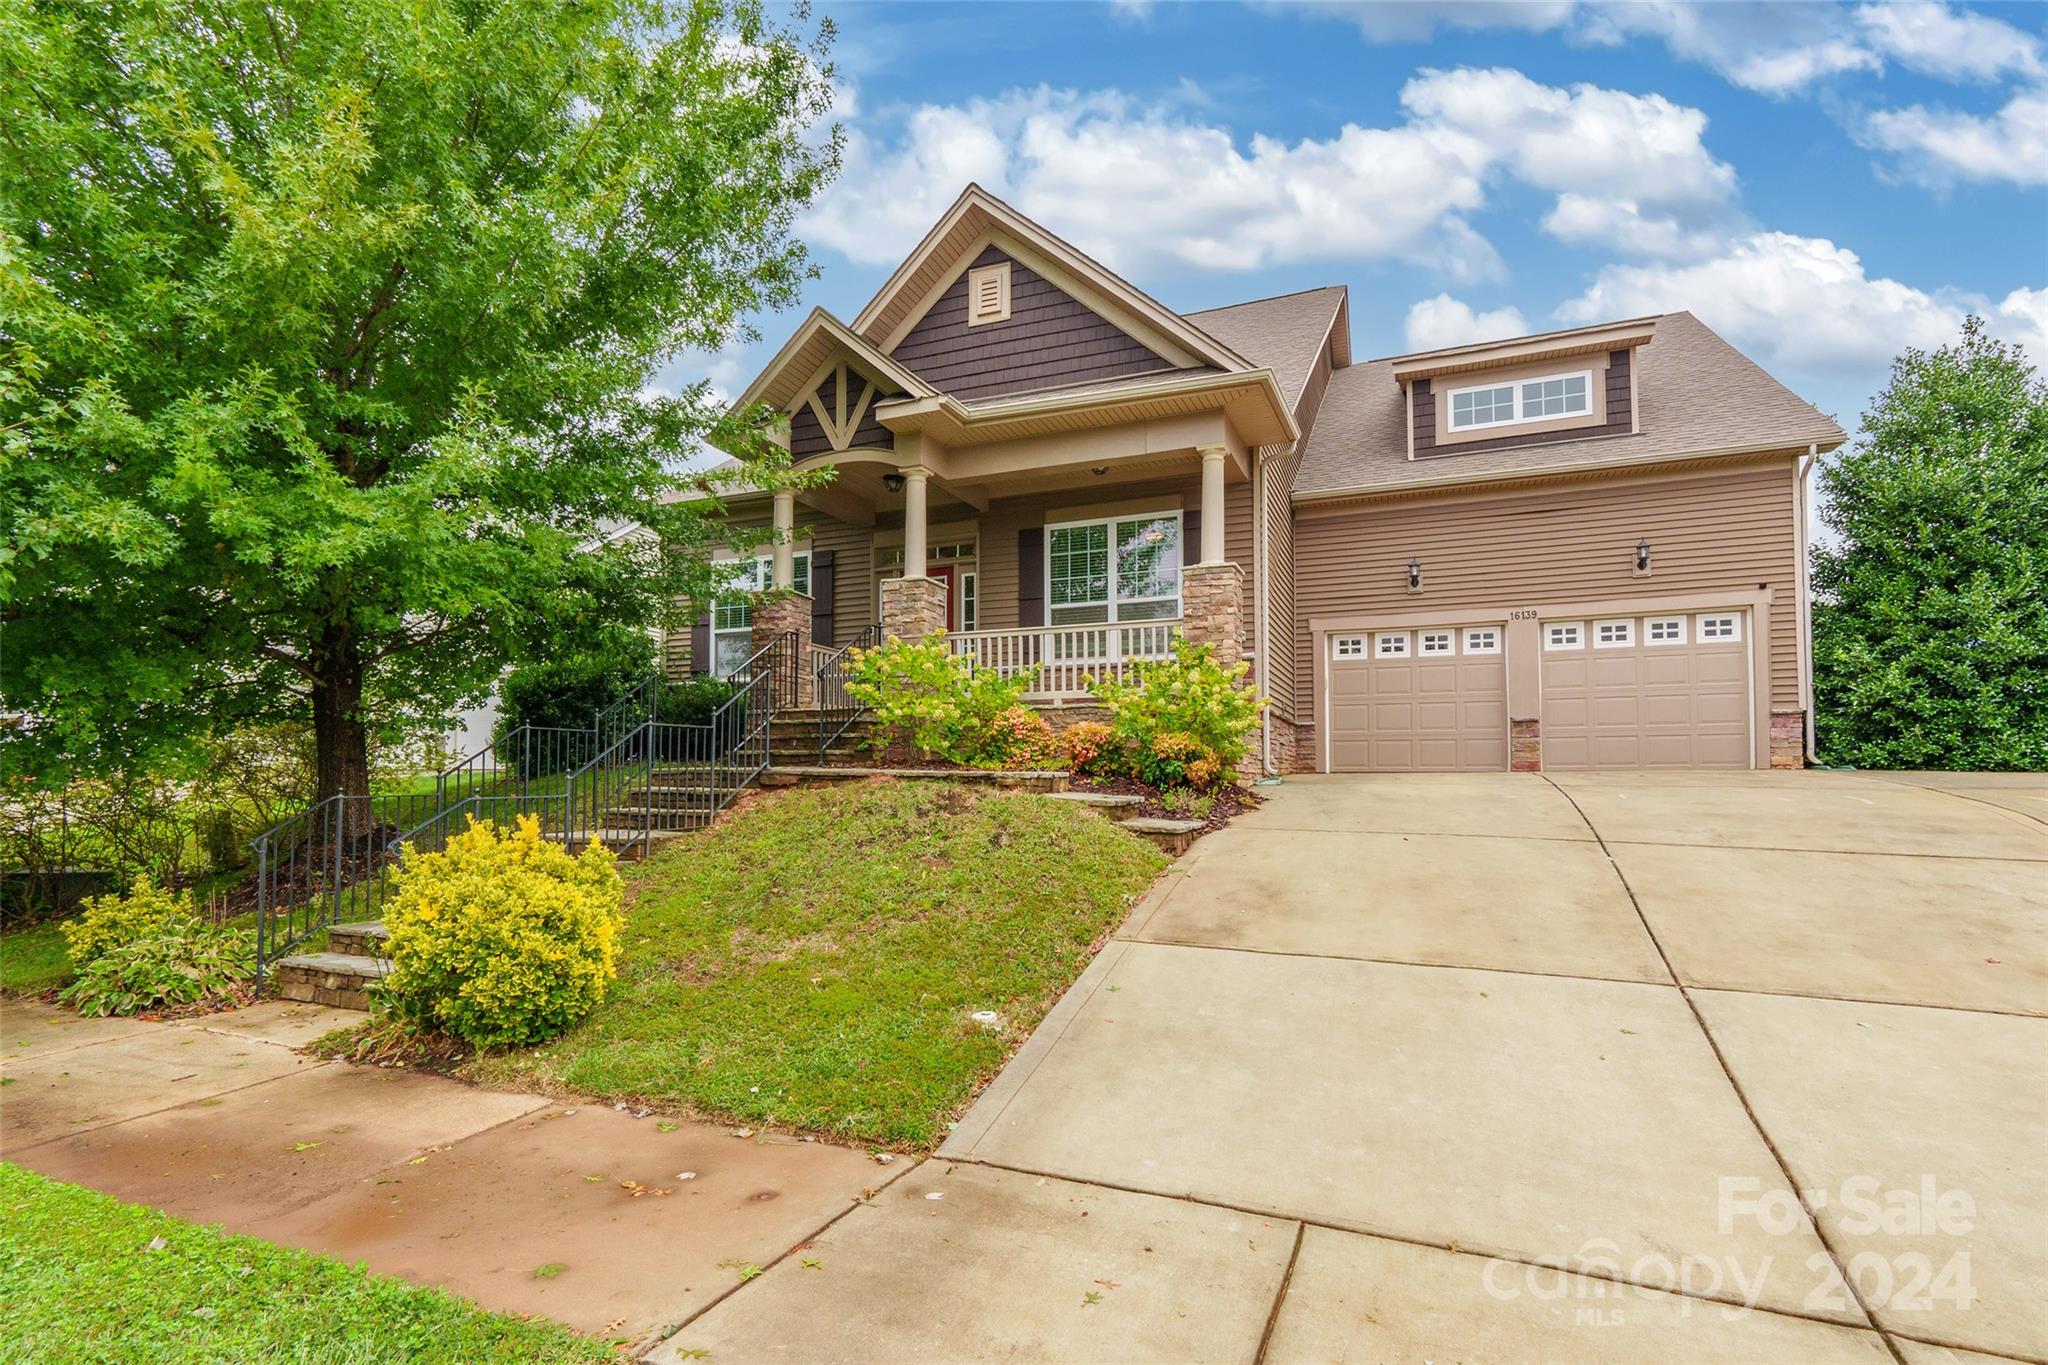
column 1259, row 577
column 1805, row 580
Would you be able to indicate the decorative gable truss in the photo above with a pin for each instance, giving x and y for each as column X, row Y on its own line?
column 828, row 400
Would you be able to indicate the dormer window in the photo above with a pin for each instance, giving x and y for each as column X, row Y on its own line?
column 1525, row 400
column 988, row 293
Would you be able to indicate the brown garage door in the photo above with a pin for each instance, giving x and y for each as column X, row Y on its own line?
column 1647, row 692
column 1419, row 701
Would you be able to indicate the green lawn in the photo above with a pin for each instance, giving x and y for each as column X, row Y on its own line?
column 814, row 961
column 80, row 1282
column 33, row 960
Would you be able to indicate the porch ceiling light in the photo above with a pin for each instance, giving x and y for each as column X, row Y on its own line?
column 1415, row 575
column 1098, row 470
column 893, row 481
column 1643, row 555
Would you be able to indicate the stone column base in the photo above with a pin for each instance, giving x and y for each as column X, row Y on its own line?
column 1788, row 739
column 1525, row 746
column 913, row 608
column 1212, row 608
column 790, row 614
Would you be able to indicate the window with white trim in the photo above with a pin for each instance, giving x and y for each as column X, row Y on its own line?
column 1438, row 642
column 1348, row 646
column 1727, row 627
column 1482, row 639
column 1564, row 635
column 1665, row 630
column 970, row 600
column 1391, row 644
column 1613, row 634
column 1525, row 400
column 732, row 619
column 1116, row 569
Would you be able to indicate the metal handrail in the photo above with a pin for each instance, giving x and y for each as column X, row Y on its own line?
column 836, row 711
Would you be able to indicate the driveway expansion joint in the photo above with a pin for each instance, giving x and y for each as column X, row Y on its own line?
column 1742, row 1097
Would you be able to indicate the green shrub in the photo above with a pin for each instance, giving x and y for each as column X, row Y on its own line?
column 1091, row 747
column 1180, row 712
column 1020, row 738
column 696, row 701
column 177, row 963
column 502, row 940
column 110, row 922
column 568, row 693
column 945, row 706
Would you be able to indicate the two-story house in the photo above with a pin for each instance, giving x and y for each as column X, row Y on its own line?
column 1579, row 549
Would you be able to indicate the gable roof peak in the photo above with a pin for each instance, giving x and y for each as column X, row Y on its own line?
column 977, row 215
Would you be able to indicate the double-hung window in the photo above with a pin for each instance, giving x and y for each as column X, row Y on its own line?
column 1525, row 400
column 1116, row 569
column 732, row 618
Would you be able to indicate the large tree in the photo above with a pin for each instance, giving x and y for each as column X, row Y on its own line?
column 326, row 338
column 1930, row 637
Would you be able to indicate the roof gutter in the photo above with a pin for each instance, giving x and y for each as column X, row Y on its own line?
column 1359, row 492
column 1805, row 581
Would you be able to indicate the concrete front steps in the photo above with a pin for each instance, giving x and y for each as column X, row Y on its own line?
column 341, row 976
column 793, row 740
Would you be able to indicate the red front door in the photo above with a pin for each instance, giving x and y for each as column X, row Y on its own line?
column 944, row 573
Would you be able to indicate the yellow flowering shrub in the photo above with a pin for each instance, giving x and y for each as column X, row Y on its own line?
column 503, row 940
column 110, row 922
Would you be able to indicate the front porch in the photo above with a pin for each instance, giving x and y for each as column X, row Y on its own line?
column 1064, row 659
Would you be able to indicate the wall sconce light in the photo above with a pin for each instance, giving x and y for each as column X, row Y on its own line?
column 893, row 481
column 1415, row 575
column 1643, row 555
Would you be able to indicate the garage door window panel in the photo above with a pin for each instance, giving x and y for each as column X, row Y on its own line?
column 1391, row 644
column 1564, row 635
column 1438, row 642
column 1665, row 630
column 1482, row 640
column 1348, row 646
column 1614, row 634
column 1721, row 628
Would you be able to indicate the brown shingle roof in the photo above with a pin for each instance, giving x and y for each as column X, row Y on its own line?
column 1283, row 334
column 1695, row 394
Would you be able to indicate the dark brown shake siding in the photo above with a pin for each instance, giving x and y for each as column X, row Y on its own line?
column 807, row 437
column 1049, row 339
column 1728, row 530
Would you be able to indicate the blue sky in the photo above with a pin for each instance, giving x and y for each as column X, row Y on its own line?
column 1824, row 184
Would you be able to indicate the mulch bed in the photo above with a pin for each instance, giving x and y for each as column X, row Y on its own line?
column 1230, row 803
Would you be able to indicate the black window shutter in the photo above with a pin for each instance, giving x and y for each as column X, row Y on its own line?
column 1191, row 535
column 1031, row 576
column 700, row 645
column 822, row 571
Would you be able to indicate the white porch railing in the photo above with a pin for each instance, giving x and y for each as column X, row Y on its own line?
column 1067, row 655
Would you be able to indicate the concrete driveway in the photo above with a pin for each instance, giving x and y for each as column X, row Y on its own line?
column 1609, row 1067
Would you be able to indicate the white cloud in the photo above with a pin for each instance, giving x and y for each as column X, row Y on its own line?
column 1953, row 44
column 1158, row 187
column 1407, row 21
column 2022, row 316
column 1622, row 225
column 1803, row 303
column 1444, row 321
column 1939, row 146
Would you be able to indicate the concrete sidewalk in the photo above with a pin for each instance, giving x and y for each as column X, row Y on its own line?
column 219, row 1120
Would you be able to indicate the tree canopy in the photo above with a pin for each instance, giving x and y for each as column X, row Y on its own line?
column 327, row 334
column 1931, row 614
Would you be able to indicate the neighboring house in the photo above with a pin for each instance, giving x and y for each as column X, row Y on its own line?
column 1579, row 549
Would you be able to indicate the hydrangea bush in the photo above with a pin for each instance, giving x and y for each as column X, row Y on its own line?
column 503, row 940
column 947, row 708
column 1184, row 720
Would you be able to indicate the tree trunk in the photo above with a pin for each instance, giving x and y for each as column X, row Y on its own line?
column 341, row 744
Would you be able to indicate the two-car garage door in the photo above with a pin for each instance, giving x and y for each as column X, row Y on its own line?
column 1624, row 692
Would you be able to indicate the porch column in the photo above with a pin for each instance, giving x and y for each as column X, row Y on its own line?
column 784, row 562
column 913, row 522
column 1212, row 588
column 789, row 613
column 1212, row 503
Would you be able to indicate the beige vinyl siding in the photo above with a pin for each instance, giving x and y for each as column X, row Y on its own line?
column 1277, row 675
column 1002, row 521
column 853, row 569
column 1728, row 529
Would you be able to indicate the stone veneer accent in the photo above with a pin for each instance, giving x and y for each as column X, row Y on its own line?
column 1788, row 739
column 782, row 615
column 913, row 608
column 1212, row 608
column 1525, row 746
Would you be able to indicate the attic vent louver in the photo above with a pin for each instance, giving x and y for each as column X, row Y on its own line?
column 988, row 293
